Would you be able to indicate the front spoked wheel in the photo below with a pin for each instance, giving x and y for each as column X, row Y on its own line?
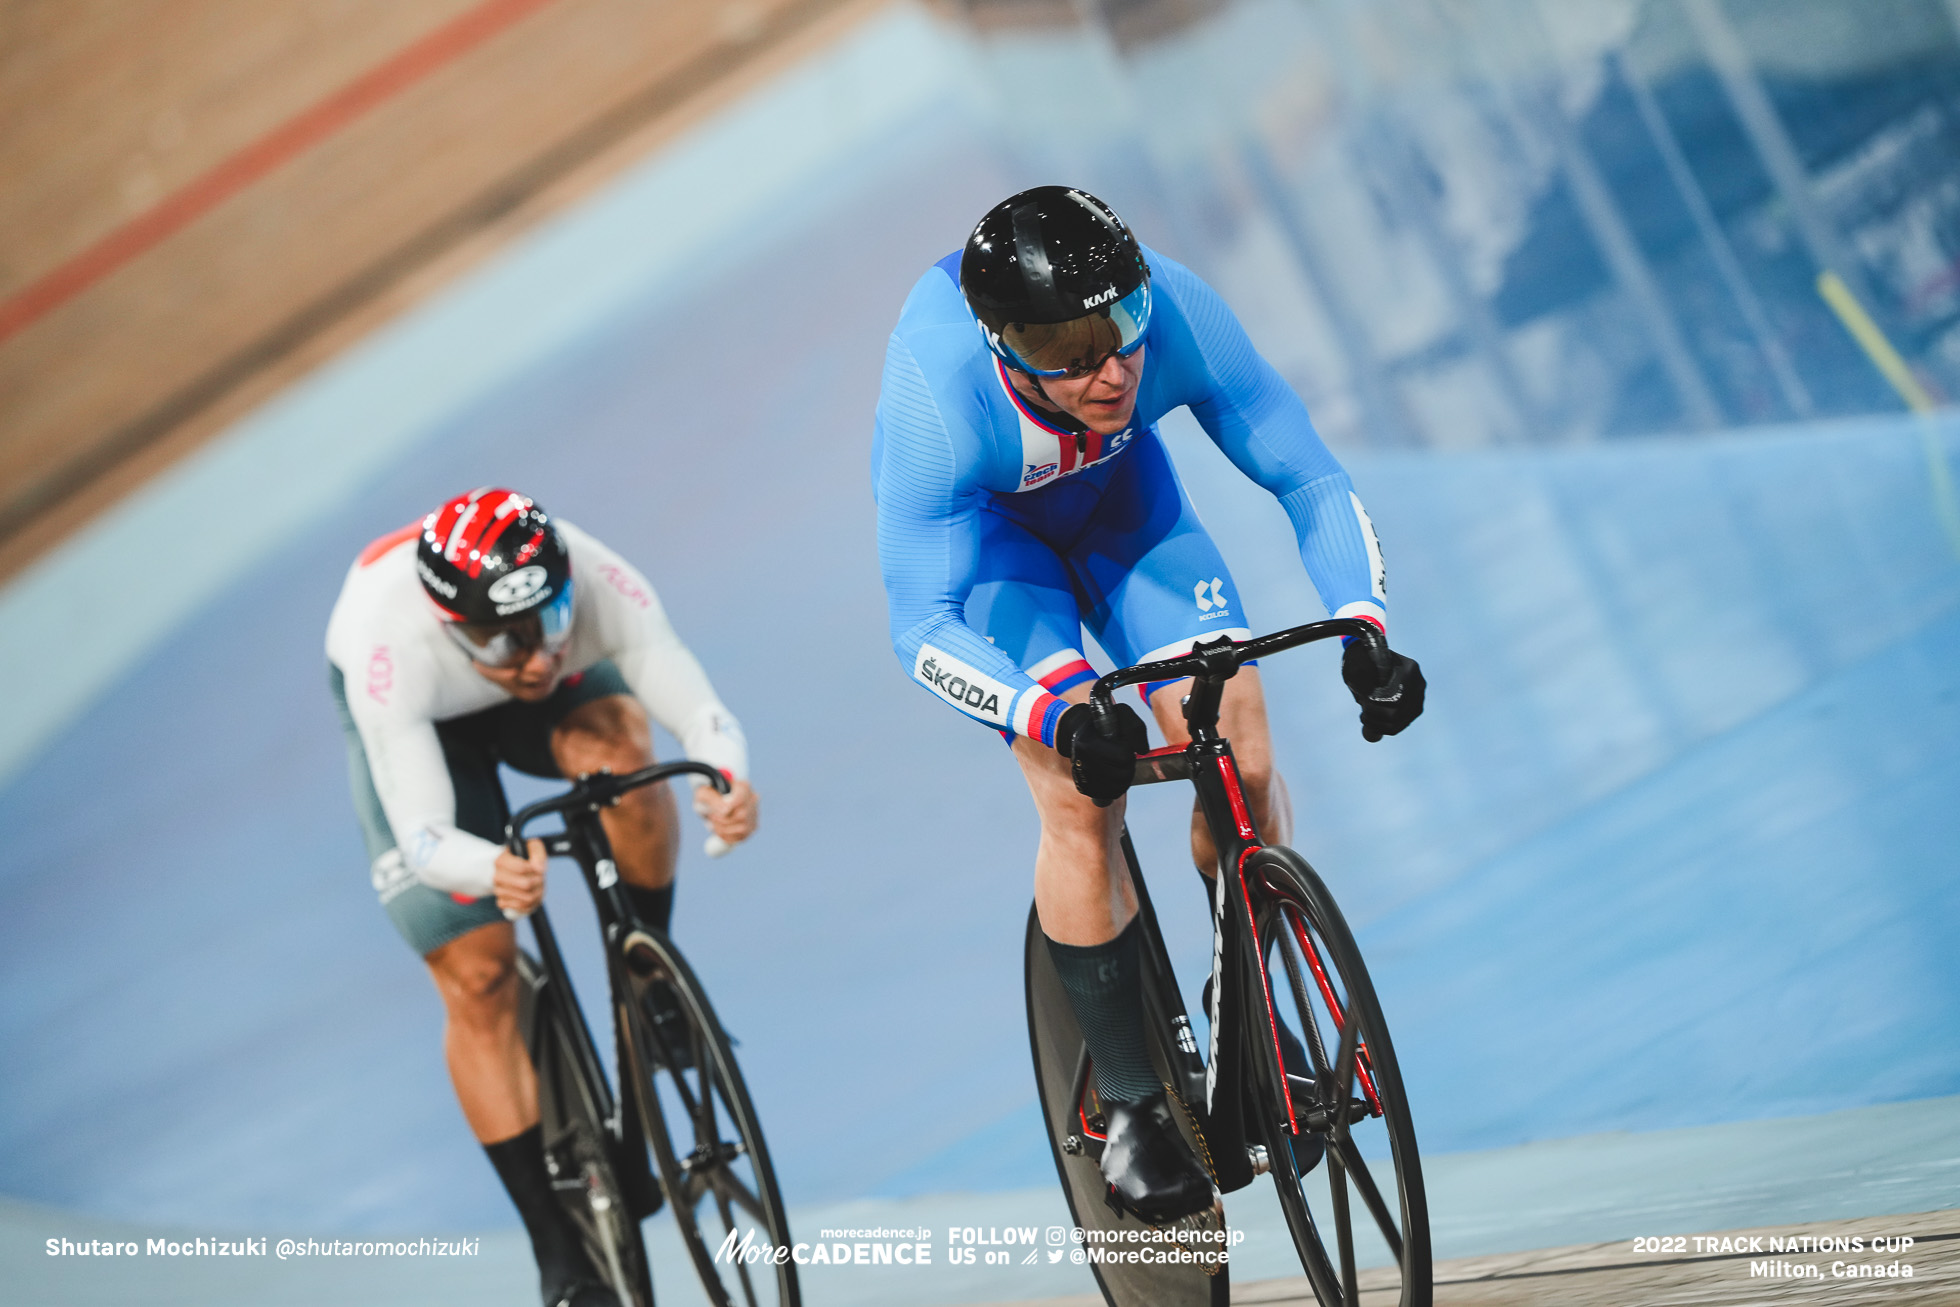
column 1349, row 1120
column 703, row 1132
column 580, row 1151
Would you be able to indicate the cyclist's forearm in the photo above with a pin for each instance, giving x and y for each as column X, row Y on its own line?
column 1339, row 548
column 410, row 774
column 712, row 735
column 955, row 663
column 448, row 859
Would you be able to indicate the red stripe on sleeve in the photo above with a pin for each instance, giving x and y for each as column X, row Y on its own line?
column 1062, row 673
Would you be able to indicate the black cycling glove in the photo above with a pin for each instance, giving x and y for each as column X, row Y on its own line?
column 1389, row 691
column 1103, row 767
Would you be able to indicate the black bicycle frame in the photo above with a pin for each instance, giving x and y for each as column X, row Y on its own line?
column 1207, row 762
column 584, row 841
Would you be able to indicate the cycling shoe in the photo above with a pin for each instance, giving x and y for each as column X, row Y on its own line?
column 1149, row 1168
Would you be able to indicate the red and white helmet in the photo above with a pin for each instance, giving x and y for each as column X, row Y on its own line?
column 498, row 570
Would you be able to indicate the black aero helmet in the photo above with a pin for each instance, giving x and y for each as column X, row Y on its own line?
column 499, row 573
column 1056, row 282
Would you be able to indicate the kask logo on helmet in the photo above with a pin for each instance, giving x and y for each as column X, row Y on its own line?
column 518, row 591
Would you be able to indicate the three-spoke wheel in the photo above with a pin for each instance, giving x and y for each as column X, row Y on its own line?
column 703, row 1131
column 1351, row 1108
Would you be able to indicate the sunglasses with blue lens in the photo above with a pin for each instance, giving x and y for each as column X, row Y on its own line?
column 1081, row 345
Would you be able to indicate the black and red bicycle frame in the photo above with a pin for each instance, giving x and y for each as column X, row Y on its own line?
column 1240, row 991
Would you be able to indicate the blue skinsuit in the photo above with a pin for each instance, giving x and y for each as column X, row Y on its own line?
column 994, row 521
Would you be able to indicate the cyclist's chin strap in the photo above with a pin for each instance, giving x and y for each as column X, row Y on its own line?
column 1067, row 420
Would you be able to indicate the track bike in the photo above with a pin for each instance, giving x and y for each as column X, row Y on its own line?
column 1284, row 968
column 683, row 1132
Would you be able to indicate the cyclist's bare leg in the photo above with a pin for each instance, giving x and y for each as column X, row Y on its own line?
column 476, row 975
column 1081, row 887
column 1085, row 900
column 1242, row 720
column 643, row 827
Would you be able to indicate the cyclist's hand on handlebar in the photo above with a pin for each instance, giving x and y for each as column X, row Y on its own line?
column 1390, row 690
column 730, row 817
column 519, row 882
column 1103, row 767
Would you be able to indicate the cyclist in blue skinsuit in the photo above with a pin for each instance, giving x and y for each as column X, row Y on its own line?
column 1023, row 494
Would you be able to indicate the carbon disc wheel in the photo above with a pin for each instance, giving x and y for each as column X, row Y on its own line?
column 1069, row 1111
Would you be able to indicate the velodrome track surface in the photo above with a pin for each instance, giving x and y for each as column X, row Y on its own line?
column 1672, row 847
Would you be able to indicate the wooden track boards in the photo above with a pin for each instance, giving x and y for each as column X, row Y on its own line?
column 336, row 162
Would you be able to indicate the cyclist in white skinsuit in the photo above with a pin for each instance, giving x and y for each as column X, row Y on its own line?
column 491, row 634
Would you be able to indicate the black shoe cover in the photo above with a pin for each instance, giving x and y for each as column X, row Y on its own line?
column 1308, row 1149
column 1292, row 1053
column 1148, row 1166
column 674, row 1045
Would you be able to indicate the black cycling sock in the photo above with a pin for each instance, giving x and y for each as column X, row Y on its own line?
column 519, row 1161
column 655, row 907
column 1104, row 983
